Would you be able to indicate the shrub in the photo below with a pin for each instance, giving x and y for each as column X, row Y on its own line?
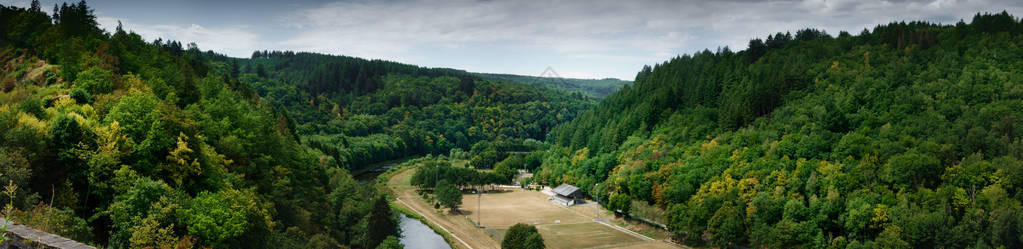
column 81, row 96
column 522, row 236
column 32, row 105
column 95, row 80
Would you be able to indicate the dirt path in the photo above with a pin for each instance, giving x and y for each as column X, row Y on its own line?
column 466, row 235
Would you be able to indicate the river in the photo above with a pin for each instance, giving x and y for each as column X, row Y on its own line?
column 416, row 235
column 368, row 176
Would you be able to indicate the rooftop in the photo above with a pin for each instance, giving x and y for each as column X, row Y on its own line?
column 565, row 189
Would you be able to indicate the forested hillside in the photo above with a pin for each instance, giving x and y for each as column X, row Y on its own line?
column 904, row 136
column 593, row 88
column 359, row 111
column 115, row 141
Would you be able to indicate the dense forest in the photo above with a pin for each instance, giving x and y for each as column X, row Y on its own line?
column 903, row 136
column 359, row 111
column 592, row 88
column 119, row 142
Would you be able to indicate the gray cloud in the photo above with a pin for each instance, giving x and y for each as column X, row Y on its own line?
column 628, row 31
column 586, row 38
column 232, row 40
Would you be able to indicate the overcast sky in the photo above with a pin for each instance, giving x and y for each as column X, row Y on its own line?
column 578, row 38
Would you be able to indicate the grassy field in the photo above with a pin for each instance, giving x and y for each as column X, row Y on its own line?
column 585, row 235
column 502, row 210
column 561, row 227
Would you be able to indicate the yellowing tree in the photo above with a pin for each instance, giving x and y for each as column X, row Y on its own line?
column 182, row 163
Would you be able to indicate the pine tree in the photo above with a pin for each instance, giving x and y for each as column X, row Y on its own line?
column 381, row 223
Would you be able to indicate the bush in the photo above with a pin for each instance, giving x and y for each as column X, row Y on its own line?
column 81, row 96
column 522, row 236
column 390, row 242
column 95, row 80
column 32, row 105
column 620, row 203
column 51, row 77
column 60, row 221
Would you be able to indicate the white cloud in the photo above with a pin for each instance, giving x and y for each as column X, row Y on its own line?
column 608, row 38
column 388, row 29
column 641, row 32
column 236, row 41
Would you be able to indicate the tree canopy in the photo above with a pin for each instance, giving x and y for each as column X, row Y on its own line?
column 522, row 236
column 448, row 195
column 904, row 135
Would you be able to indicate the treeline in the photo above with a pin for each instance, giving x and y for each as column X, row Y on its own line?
column 431, row 171
column 358, row 111
column 903, row 136
column 591, row 88
column 322, row 74
column 123, row 143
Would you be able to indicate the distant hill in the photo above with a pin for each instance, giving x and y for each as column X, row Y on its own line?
column 360, row 111
column 593, row 88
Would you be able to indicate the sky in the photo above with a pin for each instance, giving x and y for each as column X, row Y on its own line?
column 577, row 38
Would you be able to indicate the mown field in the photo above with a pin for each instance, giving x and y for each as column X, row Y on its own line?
column 560, row 226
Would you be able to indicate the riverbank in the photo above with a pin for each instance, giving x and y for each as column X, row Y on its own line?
column 413, row 215
column 456, row 229
column 370, row 173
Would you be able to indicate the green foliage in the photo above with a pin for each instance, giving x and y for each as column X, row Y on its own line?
column 320, row 241
column 592, row 88
column 899, row 137
column 6, row 210
column 508, row 168
column 32, row 106
column 620, row 203
column 448, row 195
column 533, row 160
column 81, row 96
column 226, row 218
column 390, row 243
column 522, row 236
column 382, row 224
column 913, row 168
column 62, row 222
column 164, row 146
column 360, row 112
column 135, row 112
column 95, row 80
column 434, row 170
column 726, row 227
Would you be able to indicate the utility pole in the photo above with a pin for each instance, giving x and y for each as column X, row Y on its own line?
column 521, row 175
column 596, row 209
column 479, row 201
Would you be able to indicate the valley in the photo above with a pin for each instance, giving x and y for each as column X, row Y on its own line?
column 902, row 135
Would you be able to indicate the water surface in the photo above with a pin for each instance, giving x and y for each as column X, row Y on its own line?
column 416, row 235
